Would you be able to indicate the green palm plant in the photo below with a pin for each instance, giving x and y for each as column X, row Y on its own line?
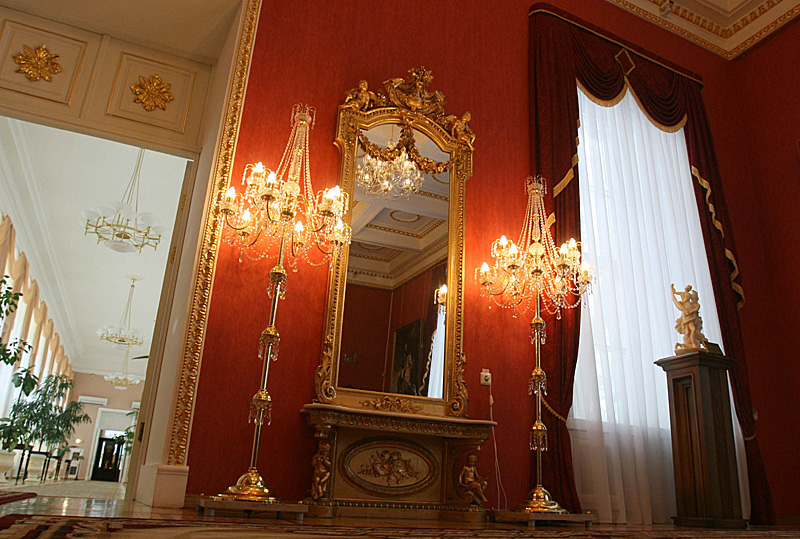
column 47, row 422
column 10, row 352
column 13, row 430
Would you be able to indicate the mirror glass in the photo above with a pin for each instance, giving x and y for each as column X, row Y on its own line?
column 393, row 329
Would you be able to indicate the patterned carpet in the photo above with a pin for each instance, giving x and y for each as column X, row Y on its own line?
column 56, row 527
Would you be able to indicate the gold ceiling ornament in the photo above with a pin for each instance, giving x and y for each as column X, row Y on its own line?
column 390, row 171
column 152, row 93
column 37, row 64
column 533, row 274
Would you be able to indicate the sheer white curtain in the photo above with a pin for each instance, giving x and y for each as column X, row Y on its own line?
column 436, row 378
column 640, row 228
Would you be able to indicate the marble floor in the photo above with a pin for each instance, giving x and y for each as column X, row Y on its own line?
column 73, row 489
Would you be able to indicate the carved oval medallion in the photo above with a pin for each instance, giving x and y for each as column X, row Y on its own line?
column 389, row 466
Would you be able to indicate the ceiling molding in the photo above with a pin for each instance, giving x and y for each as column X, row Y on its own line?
column 725, row 28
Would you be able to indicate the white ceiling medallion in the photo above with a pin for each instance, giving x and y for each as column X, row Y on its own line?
column 404, row 216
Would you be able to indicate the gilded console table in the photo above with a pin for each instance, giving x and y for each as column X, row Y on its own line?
column 375, row 463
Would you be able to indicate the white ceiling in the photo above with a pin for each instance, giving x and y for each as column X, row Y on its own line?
column 726, row 27
column 395, row 240
column 194, row 29
column 47, row 177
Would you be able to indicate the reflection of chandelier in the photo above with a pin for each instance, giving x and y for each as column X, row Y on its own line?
column 281, row 207
column 534, row 272
column 396, row 170
column 391, row 179
column 123, row 380
column 122, row 227
column 122, row 336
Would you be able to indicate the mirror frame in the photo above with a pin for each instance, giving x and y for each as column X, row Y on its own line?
column 412, row 104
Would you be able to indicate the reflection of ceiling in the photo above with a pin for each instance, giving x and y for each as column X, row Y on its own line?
column 395, row 240
column 726, row 27
column 47, row 177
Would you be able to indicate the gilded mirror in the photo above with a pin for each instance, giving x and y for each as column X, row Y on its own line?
column 394, row 326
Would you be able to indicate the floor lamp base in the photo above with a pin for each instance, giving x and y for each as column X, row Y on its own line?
column 250, row 487
column 542, row 502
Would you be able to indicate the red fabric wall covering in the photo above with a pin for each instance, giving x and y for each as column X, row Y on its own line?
column 770, row 113
column 364, row 330
column 312, row 52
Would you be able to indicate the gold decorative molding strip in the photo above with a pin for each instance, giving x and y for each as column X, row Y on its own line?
column 153, row 93
column 201, row 292
column 392, row 404
column 37, row 64
column 433, row 195
column 416, row 235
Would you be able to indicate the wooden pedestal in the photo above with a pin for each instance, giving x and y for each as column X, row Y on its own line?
column 703, row 449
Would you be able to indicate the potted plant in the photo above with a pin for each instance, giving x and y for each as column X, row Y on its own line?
column 48, row 423
column 11, row 431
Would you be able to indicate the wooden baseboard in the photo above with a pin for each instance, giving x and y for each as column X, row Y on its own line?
column 787, row 520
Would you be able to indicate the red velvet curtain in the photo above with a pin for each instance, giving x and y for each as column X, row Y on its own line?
column 564, row 50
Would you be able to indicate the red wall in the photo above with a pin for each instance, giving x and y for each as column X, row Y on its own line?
column 313, row 52
column 365, row 327
column 767, row 94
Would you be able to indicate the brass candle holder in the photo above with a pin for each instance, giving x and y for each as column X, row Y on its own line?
column 534, row 274
column 280, row 207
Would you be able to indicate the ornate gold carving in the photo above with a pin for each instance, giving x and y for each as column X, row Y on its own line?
column 417, row 235
column 201, row 291
column 328, row 418
column 321, row 464
column 474, row 485
column 37, row 64
column 392, row 404
column 458, row 406
column 152, row 93
column 370, row 463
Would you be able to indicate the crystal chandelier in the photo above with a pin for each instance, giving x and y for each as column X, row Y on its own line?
column 533, row 273
column 122, row 336
column 391, row 179
column 280, row 207
column 123, row 380
column 122, row 227
column 394, row 171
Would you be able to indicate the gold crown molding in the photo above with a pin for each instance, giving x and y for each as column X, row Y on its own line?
column 433, row 195
column 201, row 292
column 703, row 24
column 153, row 93
column 37, row 63
column 389, row 258
column 414, row 219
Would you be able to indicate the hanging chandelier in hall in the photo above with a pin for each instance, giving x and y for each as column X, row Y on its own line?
column 122, row 227
column 122, row 336
column 123, row 380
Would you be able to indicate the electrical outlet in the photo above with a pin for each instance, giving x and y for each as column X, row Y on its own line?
column 486, row 377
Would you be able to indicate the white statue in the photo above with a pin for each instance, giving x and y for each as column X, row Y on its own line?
column 690, row 325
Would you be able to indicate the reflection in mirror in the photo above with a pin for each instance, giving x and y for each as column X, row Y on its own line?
column 393, row 330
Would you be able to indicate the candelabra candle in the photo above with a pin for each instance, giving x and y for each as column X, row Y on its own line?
column 533, row 274
column 280, row 207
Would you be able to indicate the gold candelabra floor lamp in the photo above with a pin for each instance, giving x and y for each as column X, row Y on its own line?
column 280, row 207
column 533, row 274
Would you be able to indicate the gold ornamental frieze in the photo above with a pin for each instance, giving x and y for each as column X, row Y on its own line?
column 153, row 93
column 37, row 63
column 392, row 404
column 389, row 466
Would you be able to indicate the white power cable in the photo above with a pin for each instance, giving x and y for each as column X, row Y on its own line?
column 497, row 475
